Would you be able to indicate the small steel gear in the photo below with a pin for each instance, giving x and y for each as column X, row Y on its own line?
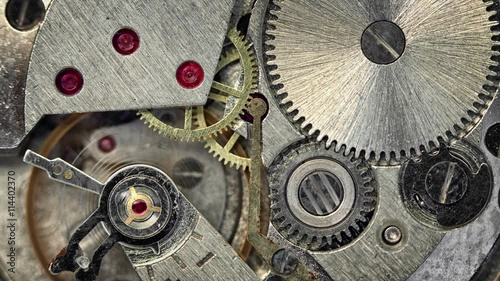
column 233, row 99
column 388, row 78
column 321, row 198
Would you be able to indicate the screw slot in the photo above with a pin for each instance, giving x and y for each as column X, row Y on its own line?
column 492, row 140
column 24, row 15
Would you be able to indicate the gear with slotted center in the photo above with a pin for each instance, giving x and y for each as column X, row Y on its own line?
column 321, row 199
column 234, row 100
column 389, row 78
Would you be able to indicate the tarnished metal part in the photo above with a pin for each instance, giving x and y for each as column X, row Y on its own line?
column 146, row 79
column 15, row 51
column 334, row 91
column 368, row 257
column 204, row 256
column 221, row 146
column 256, row 230
column 464, row 249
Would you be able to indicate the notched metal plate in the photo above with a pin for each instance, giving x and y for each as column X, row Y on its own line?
column 79, row 35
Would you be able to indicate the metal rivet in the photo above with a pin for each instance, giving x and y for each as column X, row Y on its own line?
column 392, row 235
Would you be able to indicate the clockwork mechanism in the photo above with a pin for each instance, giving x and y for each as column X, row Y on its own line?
column 248, row 140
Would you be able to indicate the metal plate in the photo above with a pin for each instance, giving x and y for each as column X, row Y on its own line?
column 79, row 35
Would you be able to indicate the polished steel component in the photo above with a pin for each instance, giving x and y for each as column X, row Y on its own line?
column 393, row 262
column 64, row 172
column 286, row 177
column 392, row 235
column 412, row 95
column 83, row 34
column 302, row 176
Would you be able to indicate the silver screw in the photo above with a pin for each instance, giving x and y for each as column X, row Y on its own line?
column 392, row 235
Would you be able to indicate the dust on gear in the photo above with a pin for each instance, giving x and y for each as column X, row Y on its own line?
column 388, row 78
column 321, row 199
column 233, row 99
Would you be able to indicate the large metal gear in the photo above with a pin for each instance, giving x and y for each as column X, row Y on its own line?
column 388, row 78
column 321, row 198
column 233, row 99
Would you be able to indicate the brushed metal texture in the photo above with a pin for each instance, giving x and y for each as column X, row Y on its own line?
column 428, row 93
column 15, row 50
column 79, row 34
column 203, row 256
column 465, row 249
column 368, row 258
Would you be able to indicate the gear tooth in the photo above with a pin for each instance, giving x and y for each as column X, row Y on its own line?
column 394, row 155
column 308, row 239
column 307, row 236
column 292, row 230
column 329, row 240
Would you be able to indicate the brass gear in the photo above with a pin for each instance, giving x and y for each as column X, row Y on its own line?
column 224, row 145
column 229, row 152
column 222, row 94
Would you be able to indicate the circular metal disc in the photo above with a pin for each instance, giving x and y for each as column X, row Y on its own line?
column 383, row 96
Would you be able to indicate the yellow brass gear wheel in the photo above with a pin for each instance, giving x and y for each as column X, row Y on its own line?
column 233, row 99
column 224, row 146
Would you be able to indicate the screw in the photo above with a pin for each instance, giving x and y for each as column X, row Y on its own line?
column 392, row 235
column 188, row 173
column 320, row 193
column 492, row 140
column 284, row 261
column 24, row 15
column 446, row 183
column 383, row 42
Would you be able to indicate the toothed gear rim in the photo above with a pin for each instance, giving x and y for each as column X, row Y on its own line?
column 334, row 232
column 437, row 90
